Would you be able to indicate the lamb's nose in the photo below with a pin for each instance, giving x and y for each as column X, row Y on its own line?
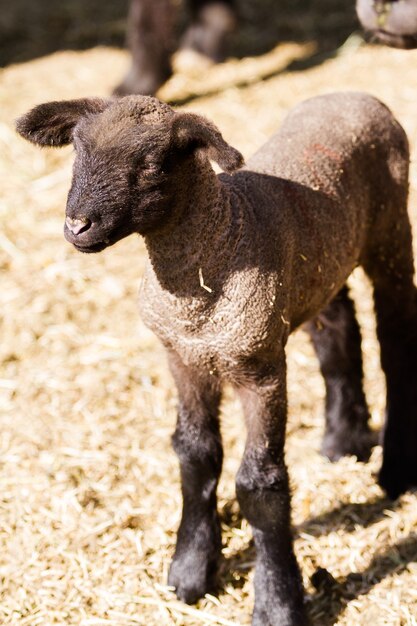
column 77, row 226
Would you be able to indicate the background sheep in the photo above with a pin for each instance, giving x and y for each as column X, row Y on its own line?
column 151, row 34
column 151, row 38
column 327, row 192
column 389, row 21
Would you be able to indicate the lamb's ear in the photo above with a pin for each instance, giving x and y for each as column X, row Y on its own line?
column 52, row 123
column 191, row 131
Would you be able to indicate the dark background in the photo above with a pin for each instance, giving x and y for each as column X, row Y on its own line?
column 33, row 28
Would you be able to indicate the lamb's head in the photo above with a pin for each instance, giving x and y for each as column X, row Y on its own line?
column 128, row 152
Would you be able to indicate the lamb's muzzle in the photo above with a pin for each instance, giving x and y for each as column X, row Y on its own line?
column 238, row 261
column 77, row 226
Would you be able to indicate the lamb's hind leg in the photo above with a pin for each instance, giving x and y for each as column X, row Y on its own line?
column 337, row 341
column 391, row 269
column 198, row 445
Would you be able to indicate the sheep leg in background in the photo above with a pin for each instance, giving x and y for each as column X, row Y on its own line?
column 212, row 22
column 263, row 492
column 150, row 41
column 336, row 338
column 197, row 442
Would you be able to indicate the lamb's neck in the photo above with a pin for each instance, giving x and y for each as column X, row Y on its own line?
column 192, row 255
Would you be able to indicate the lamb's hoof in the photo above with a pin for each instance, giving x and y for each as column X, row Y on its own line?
column 260, row 618
column 193, row 574
column 396, row 477
column 263, row 617
column 358, row 442
column 275, row 602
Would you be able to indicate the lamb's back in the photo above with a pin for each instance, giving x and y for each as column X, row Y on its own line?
column 318, row 188
column 323, row 137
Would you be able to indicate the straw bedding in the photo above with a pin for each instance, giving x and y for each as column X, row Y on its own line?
column 89, row 486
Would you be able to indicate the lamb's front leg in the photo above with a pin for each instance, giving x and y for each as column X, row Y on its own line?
column 263, row 493
column 197, row 443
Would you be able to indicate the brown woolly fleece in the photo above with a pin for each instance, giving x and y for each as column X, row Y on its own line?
column 276, row 241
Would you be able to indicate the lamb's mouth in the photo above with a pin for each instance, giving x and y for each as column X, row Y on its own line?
column 90, row 243
column 87, row 244
column 95, row 247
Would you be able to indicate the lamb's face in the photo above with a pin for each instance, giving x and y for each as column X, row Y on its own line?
column 120, row 151
column 128, row 153
column 118, row 181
